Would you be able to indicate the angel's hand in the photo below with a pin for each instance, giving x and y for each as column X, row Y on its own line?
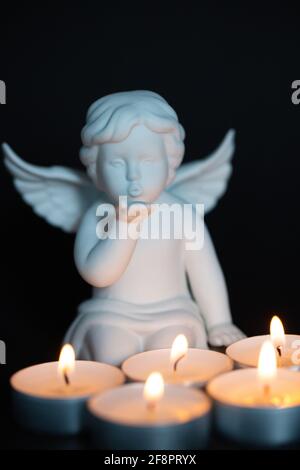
column 224, row 334
column 135, row 212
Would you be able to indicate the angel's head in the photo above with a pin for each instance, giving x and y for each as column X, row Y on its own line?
column 132, row 144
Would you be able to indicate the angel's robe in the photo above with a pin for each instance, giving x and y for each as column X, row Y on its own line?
column 142, row 319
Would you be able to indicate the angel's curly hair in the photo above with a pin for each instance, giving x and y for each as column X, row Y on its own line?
column 112, row 118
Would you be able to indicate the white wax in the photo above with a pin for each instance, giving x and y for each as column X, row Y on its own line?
column 248, row 411
column 196, row 368
column 43, row 402
column 244, row 388
column 126, row 405
column 88, row 378
column 246, row 351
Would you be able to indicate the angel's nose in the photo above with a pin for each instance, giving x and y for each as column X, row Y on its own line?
column 133, row 171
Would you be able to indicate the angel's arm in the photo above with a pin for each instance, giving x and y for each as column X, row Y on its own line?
column 210, row 292
column 101, row 262
column 207, row 282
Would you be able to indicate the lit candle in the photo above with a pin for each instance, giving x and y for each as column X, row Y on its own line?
column 178, row 351
column 66, row 362
column 246, row 351
column 51, row 397
column 267, row 369
column 258, row 406
column 178, row 365
column 150, row 416
column 154, row 390
column 277, row 335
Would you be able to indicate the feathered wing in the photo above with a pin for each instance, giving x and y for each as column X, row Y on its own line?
column 205, row 181
column 58, row 194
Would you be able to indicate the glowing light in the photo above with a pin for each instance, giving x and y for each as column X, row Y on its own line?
column 154, row 389
column 66, row 363
column 277, row 332
column 267, row 363
column 179, row 350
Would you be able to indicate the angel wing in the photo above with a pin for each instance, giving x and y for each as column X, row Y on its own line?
column 58, row 194
column 205, row 181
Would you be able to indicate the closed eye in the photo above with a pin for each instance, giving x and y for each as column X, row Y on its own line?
column 117, row 163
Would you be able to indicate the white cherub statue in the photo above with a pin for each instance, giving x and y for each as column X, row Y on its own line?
column 145, row 290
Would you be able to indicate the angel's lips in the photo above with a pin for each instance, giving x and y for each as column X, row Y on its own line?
column 135, row 190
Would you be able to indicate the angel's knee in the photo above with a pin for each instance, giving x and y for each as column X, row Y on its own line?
column 164, row 338
column 111, row 344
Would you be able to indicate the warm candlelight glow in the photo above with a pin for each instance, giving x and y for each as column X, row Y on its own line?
column 277, row 332
column 66, row 363
column 179, row 350
column 153, row 389
column 267, row 369
column 267, row 362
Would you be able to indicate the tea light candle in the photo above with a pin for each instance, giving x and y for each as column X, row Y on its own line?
column 151, row 416
column 51, row 397
column 178, row 365
column 260, row 406
column 245, row 352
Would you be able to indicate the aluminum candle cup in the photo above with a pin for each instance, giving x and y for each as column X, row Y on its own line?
column 245, row 352
column 196, row 368
column 121, row 419
column 243, row 414
column 43, row 402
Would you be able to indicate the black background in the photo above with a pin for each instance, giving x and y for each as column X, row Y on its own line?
column 219, row 67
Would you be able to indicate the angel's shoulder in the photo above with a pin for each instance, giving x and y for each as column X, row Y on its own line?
column 170, row 198
column 90, row 215
column 188, row 207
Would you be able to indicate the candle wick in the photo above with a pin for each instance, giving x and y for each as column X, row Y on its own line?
column 176, row 362
column 66, row 378
column 267, row 393
column 279, row 352
column 151, row 405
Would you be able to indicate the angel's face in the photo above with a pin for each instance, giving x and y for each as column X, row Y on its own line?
column 137, row 167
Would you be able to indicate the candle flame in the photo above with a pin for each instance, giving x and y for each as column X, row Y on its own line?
column 66, row 363
column 154, row 389
column 277, row 332
column 267, row 362
column 179, row 350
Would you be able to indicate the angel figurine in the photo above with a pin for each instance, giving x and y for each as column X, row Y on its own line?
column 145, row 291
